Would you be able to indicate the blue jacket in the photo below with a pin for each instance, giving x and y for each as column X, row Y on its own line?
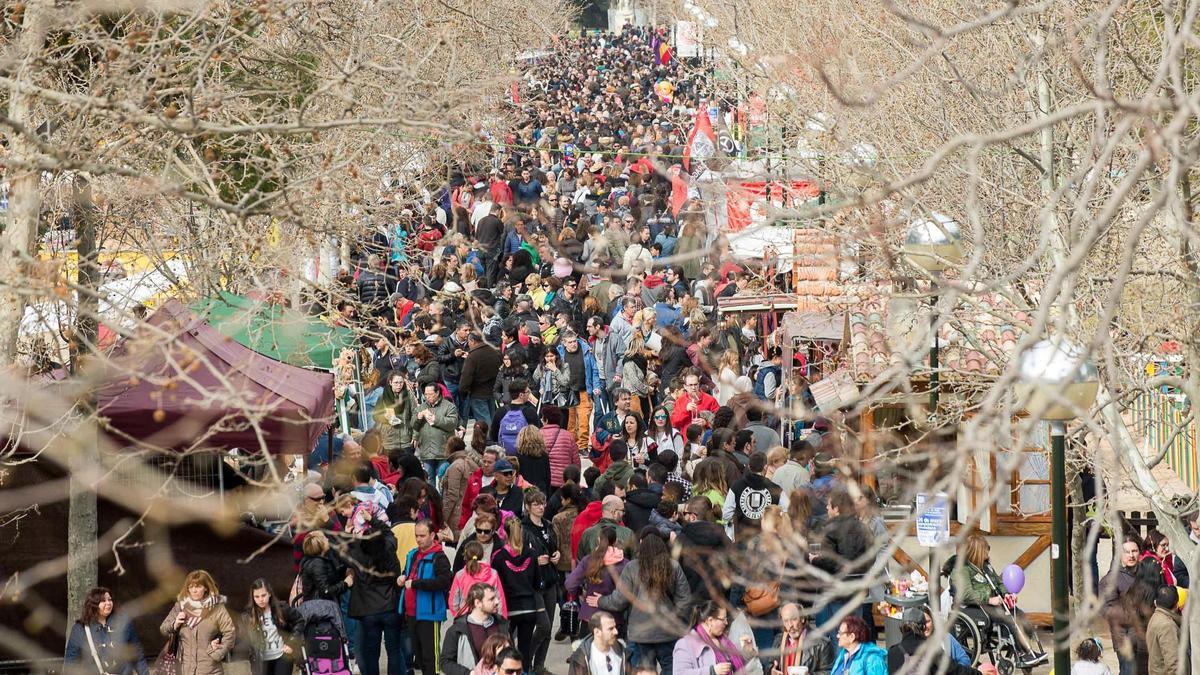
column 120, row 650
column 870, row 659
column 426, row 600
column 667, row 315
column 591, row 372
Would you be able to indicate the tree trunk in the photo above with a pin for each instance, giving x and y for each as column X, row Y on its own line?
column 24, row 197
column 82, row 527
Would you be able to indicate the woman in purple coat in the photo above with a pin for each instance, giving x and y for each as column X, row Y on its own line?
column 597, row 573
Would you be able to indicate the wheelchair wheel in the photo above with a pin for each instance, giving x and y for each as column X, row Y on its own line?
column 964, row 629
column 1004, row 652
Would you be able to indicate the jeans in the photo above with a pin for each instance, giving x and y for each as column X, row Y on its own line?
column 351, row 626
column 478, row 409
column 432, row 467
column 647, row 653
column 452, row 387
column 371, row 628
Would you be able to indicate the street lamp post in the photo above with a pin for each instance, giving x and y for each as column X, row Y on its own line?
column 1056, row 381
column 933, row 244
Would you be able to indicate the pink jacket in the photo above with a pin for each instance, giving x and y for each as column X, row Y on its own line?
column 464, row 580
column 560, row 444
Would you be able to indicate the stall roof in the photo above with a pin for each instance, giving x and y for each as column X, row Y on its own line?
column 282, row 333
column 815, row 325
column 198, row 388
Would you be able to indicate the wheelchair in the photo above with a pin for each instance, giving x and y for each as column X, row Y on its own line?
column 980, row 636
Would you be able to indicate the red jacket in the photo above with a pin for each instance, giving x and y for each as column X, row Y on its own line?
column 588, row 517
column 501, row 192
column 474, row 485
column 560, row 444
column 681, row 417
column 386, row 473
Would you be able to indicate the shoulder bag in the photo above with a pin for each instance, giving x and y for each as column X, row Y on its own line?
column 95, row 654
column 167, row 662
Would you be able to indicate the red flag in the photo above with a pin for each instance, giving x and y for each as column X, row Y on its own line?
column 516, row 93
column 664, row 53
column 702, row 142
column 679, row 189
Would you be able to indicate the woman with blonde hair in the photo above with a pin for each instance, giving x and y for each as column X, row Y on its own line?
column 519, row 576
column 709, row 480
column 729, row 369
column 201, row 622
column 468, row 277
column 777, row 456
column 535, row 459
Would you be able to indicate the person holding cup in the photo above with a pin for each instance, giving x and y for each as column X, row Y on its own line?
column 800, row 652
column 707, row 649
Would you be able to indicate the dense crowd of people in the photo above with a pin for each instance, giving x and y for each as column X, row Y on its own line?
column 565, row 440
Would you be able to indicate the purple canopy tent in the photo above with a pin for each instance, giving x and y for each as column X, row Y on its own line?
column 201, row 389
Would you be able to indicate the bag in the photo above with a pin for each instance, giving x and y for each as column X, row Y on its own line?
column 510, row 425
column 569, row 617
column 761, row 600
column 95, row 654
column 167, row 662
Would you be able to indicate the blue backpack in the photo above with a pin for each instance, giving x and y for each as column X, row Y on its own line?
column 510, row 425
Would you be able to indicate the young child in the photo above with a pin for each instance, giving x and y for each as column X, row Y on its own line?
column 1087, row 656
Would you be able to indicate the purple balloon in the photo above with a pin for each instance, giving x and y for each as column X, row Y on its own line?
column 1013, row 577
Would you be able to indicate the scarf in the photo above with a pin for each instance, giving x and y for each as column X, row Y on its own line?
column 196, row 610
column 724, row 649
column 792, row 652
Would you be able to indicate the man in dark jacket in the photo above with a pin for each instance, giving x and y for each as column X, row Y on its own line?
column 602, row 642
column 451, row 355
column 372, row 287
column 478, row 379
column 749, row 498
column 639, row 502
column 489, row 234
column 848, row 552
column 460, row 652
column 374, row 595
column 796, row 646
column 702, row 548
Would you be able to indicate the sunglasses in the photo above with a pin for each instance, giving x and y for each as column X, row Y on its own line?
column 484, row 531
column 511, row 671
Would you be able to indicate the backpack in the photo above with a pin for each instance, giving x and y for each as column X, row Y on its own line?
column 760, row 380
column 510, row 425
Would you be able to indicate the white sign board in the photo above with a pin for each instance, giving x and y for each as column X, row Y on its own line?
column 933, row 519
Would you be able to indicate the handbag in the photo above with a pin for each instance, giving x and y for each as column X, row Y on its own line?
column 95, row 654
column 760, row 600
column 167, row 662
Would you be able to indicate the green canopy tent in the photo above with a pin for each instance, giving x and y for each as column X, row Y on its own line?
column 282, row 333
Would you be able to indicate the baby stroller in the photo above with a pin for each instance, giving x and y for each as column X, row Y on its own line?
column 325, row 648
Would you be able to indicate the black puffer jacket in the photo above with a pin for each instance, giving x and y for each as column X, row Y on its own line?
column 702, row 549
column 323, row 577
column 372, row 289
column 376, row 568
column 638, row 505
column 847, row 542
